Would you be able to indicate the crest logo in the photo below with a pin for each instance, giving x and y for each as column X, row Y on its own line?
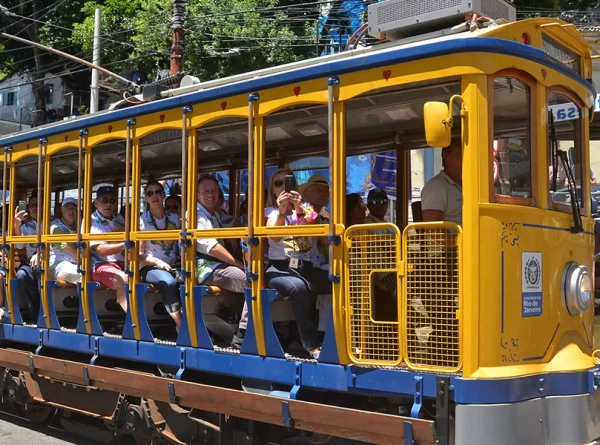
column 532, row 272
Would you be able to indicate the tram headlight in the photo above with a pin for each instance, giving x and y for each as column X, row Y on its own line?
column 577, row 288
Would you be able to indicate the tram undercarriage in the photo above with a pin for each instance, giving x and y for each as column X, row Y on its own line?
column 109, row 403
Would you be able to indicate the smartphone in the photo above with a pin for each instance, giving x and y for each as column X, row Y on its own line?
column 290, row 183
column 22, row 206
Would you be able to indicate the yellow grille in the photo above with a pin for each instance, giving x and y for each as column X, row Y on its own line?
column 432, row 253
column 371, row 293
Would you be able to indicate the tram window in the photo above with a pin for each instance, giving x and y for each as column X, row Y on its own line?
column 568, row 130
column 512, row 139
column 109, row 170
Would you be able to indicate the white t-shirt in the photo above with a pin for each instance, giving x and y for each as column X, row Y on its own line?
column 288, row 246
column 443, row 194
column 57, row 254
column 28, row 229
column 102, row 225
column 163, row 250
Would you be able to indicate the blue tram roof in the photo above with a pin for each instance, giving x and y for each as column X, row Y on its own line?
column 322, row 67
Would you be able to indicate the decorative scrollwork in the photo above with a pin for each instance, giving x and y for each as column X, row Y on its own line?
column 510, row 234
column 510, row 347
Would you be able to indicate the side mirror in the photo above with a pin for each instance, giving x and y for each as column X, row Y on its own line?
column 438, row 130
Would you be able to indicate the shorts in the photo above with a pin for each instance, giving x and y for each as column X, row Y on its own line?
column 103, row 273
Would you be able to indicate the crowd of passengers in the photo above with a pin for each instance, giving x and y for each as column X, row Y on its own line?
column 297, row 266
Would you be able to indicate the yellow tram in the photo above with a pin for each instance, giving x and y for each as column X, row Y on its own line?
column 489, row 339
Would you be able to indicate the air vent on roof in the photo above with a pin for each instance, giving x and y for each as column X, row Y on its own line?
column 404, row 18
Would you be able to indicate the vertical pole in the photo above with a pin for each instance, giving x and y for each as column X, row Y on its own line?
column 96, row 60
column 6, row 207
column 178, row 39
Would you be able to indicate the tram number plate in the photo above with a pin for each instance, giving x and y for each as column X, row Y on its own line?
column 531, row 290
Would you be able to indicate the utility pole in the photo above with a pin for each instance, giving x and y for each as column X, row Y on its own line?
column 94, row 89
column 178, row 39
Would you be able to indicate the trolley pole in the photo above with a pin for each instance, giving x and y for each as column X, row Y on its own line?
column 94, row 89
column 178, row 39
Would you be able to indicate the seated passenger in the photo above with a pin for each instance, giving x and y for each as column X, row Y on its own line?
column 377, row 203
column 107, row 257
column 28, row 272
column 289, row 258
column 356, row 212
column 215, row 265
column 441, row 198
column 63, row 256
column 159, row 258
column 173, row 205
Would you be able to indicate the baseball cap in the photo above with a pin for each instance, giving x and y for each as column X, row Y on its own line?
column 105, row 190
column 69, row 200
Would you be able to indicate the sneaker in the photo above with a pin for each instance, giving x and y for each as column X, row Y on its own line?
column 238, row 339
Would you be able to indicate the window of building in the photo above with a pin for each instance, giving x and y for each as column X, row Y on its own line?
column 512, row 144
column 9, row 99
column 48, row 90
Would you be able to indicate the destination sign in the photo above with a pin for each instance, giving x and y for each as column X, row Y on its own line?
column 562, row 55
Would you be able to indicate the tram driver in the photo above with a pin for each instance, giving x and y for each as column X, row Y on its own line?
column 107, row 257
column 441, row 198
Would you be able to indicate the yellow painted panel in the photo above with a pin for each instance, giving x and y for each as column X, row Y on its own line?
column 308, row 92
column 512, row 336
column 161, row 120
column 204, row 113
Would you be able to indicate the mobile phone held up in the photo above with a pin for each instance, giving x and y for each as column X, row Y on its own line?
column 290, row 183
column 22, row 206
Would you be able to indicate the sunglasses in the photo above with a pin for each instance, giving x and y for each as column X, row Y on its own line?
column 150, row 193
column 379, row 202
column 172, row 207
column 278, row 183
column 108, row 201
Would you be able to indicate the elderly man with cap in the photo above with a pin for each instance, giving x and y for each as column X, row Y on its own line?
column 107, row 257
column 63, row 256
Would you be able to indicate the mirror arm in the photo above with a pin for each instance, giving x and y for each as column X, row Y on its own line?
column 463, row 110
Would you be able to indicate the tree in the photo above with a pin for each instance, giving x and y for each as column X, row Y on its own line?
column 223, row 37
column 43, row 21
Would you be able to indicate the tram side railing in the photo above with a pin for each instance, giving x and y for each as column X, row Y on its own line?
column 403, row 295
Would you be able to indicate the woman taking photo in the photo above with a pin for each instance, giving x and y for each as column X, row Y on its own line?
column 160, row 259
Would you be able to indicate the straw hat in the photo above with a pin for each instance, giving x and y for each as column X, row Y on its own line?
column 317, row 178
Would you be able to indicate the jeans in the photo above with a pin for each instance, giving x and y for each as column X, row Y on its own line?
column 167, row 285
column 27, row 286
column 289, row 282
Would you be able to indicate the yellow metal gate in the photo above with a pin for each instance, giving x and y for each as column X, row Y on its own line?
column 371, row 287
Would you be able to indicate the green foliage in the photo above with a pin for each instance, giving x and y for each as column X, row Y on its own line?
column 220, row 41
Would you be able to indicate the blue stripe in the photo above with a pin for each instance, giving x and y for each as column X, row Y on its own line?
column 527, row 359
column 326, row 69
column 502, row 311
column 323, row 377
column 562, row 229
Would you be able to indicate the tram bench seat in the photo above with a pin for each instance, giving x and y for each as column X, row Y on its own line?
column 64, row 284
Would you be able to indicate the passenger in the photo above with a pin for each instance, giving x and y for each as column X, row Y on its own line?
column 441, row 198
column 173, row 205
column 288, row 257
column 63, row 256
column 160, row 259
column 28, row 272
column 107, row 257
column 215, row 266
column 243, row 213
column 377, row 203
column 315, row 193
column 356, row 212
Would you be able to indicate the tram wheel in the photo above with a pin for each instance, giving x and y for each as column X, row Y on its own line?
column 37, row 413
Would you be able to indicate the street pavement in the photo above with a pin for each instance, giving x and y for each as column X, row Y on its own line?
column 17, row 431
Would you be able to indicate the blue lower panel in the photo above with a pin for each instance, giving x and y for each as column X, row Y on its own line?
column 322, row 376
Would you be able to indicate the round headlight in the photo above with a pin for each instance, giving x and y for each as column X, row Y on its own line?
column 577, row 288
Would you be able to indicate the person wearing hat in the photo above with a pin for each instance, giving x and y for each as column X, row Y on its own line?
column 377, row 203
column 63, row 256
column 26, row 224
column 107, row 256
